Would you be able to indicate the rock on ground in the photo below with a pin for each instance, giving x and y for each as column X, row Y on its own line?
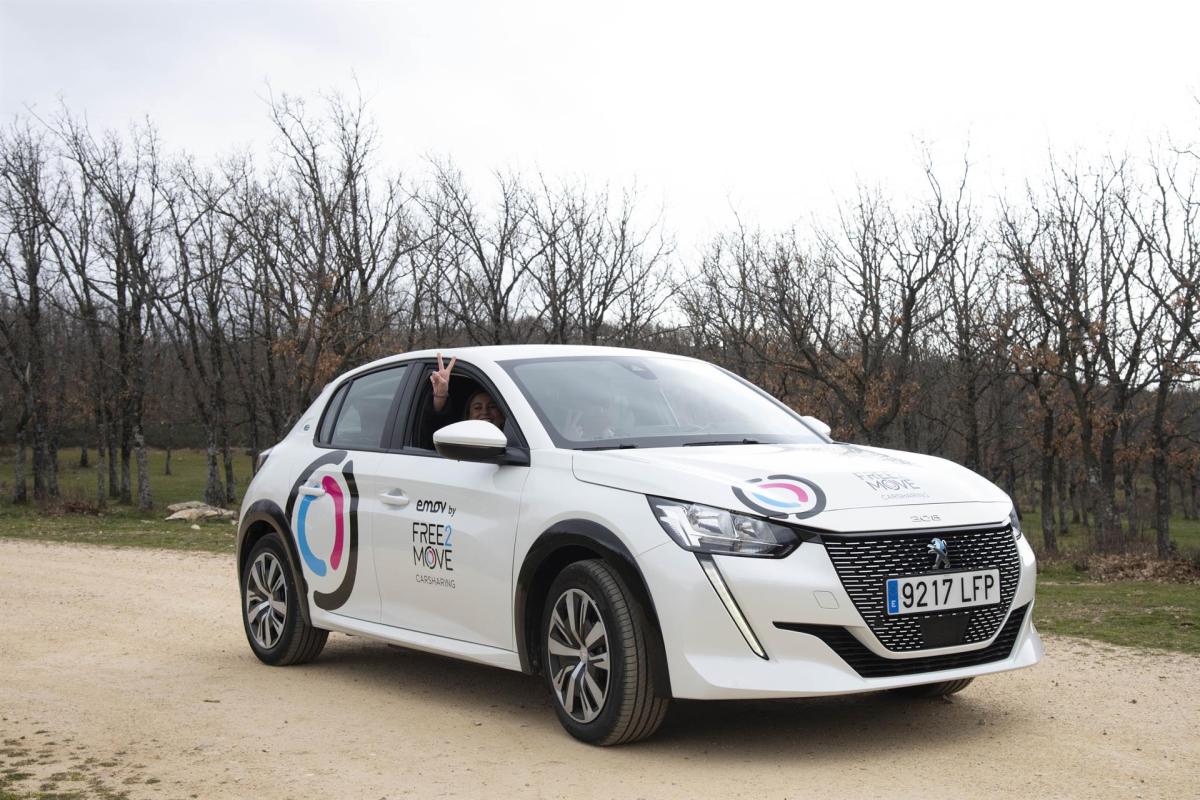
column 193, row 511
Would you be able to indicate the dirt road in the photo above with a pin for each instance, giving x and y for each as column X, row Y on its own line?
column 126, row 671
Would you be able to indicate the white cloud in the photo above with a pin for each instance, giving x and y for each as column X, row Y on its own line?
column 770, row 106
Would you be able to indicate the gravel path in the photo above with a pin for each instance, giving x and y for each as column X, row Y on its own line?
column 126, row 671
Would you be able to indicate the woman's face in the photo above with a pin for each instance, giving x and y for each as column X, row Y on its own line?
column 482, row 406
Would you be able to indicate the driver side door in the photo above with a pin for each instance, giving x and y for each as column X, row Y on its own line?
column 445, row 532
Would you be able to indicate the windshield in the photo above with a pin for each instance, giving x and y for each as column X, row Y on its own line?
column 597, row 402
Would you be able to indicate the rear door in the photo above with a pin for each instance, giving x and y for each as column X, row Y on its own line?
column 326, row 506
column 445, row 530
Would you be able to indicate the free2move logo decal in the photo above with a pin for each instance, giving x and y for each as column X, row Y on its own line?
column 781, row 495
column 325, row 520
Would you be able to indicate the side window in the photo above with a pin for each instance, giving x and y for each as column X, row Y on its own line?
column 331, row 412
column 424, row 420
column 364, row 412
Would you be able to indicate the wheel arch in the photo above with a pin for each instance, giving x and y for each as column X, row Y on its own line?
column 565, row 543
column 262, row 518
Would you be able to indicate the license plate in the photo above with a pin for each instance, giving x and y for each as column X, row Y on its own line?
column 943, row 592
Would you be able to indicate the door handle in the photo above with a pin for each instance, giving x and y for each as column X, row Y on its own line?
column 311, row 491
column 394, row 497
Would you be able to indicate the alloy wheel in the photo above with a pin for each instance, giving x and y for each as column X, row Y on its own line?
column 578, row 655
column 266, row 600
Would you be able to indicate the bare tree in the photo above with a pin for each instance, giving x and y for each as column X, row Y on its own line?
column 483, row 260
column 1078, row 261
column 598, row 274
column 1170, row 229
column 125, row 181
column 195, row 315
column 26, row 189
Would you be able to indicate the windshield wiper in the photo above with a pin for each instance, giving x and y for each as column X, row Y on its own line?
column 720, row 442
column 622, row 446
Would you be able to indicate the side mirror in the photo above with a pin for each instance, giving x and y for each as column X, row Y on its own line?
column 818, row 426
column 470, row 440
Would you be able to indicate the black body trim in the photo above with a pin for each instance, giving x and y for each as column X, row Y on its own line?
column 870, row 665
column 329, row 601
column 267, row 511
column 399, row 404
column 568, row 538
column 822, row 533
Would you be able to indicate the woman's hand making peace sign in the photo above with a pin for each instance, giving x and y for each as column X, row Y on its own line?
column 441, row 383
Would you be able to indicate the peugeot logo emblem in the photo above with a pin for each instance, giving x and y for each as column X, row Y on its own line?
column 941, row 558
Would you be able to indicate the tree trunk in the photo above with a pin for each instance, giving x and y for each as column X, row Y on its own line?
column 45, row 460
column 1048, row 532
column 230, row 486
column 1109, row 537
column 214, row 493
column 1076, row 516
column 1162, row 501
column 970, row 410
column 101, row 495
column 114, row 485
column 1195, row 493
column 1129, row 484
column 126, row 470
column 167, row 463
column 84, row 461
column 1061, row 496
column 1010, row 485
column 20, row 484
column 145, row 501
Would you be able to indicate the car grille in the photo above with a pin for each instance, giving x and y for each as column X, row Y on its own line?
column 864, row 564
column 870, row 665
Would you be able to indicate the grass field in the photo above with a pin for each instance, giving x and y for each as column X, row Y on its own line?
column 1184, row 532
column 1069, row 601
column 126, row 525
column 1133, row 613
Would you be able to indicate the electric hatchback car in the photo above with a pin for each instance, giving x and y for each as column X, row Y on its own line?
column 632, row 526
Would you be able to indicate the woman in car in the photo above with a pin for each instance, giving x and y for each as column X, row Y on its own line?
column 480, row 405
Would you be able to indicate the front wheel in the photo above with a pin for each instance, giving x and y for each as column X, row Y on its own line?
column 596, row 657
column 275, row 628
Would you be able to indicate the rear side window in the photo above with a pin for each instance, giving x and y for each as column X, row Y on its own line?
column 331, row 414
column 360, row 421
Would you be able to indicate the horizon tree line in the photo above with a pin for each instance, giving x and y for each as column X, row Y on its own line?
column 1049, row 340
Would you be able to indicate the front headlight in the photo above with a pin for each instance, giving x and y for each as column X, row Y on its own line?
column 1015, row 521
column 704, row 529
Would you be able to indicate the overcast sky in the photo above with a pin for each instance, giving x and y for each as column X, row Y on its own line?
column 769, row 108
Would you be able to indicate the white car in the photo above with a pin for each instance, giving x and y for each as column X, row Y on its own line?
column 640, row 527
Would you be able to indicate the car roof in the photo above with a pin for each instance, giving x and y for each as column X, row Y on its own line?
column 508, row 352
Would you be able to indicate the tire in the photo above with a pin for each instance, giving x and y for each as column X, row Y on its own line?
column 929, row 690
column 627, row 708
column 271, row 615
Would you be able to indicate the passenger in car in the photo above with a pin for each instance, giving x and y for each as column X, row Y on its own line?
column 480, row 405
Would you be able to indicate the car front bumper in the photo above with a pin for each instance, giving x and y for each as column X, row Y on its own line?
column 709, row 657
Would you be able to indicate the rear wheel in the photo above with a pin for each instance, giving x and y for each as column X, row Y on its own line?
column 275, row 628
column 596, row 657
column 943, row 689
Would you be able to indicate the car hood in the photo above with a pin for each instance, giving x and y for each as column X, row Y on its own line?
column 830, row 486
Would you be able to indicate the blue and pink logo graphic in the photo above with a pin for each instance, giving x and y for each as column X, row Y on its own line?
column 334, row 493
column 336, row 497
column 781, row 496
